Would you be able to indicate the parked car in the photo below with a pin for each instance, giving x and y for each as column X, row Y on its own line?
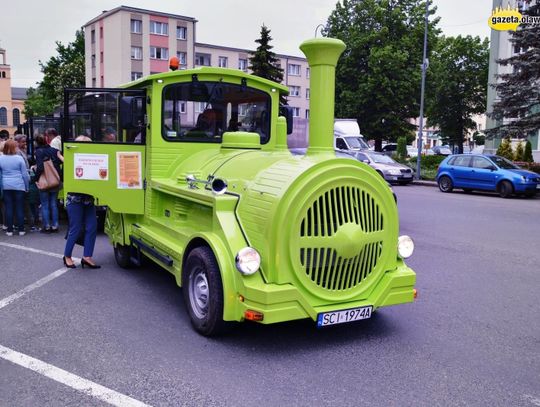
column 412, row 151
column 389, row 149
column 486, row 172
column 388, row 168
column 441, row 150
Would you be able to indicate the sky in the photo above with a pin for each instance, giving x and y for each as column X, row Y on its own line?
column 30, row 28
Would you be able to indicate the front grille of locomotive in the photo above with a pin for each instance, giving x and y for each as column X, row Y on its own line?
column 319, row 255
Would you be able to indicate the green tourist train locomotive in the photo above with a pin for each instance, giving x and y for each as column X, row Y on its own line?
column 198, row 178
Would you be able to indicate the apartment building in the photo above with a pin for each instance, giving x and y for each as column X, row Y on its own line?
column 502, row 48
column 127, row 43
column 11, row 99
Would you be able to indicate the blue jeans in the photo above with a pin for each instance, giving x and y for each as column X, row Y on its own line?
column 49, row 208
column 81, row 216
column 14, row 200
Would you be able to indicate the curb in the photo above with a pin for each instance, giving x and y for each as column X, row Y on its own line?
column 425, row 183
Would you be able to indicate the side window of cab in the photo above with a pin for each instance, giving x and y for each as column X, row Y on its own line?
column 105, row 116
column 340, row 144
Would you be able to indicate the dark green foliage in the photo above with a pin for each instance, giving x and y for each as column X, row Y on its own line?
column 518, row 93
column 479, row 139
column 61, row 71
column 527, row 154
column 518, row 154
column 378, row 75
column 505, row 149
column 457, row 86
column 431, row 161
column 264, row 62
column 402, row 147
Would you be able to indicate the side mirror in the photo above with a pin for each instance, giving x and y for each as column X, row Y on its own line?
column 287, row 112
column 131, row 112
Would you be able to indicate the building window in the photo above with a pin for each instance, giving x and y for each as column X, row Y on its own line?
column 16, row 117
column 308, row 71
column 181, row 33
column 183, row 107
column 293, row 70
column 93, row 36
column 136, row 26
column 136, row 75
column 294, row 90
column 2, row 74
column 182, row 58
column 100, row 32
column 136, row 53
column 202, row 59
column 159, row 53
column 307, row 113
column 223, row 62
column 296, row 112
column 307, row 93
column 159, row 28
column 200, row 107
column 94, row 83
column 93, row 59
column 101, row 58
column 243, row 64
column 3, row 116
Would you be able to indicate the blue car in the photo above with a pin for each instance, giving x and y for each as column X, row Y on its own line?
column 486, row 173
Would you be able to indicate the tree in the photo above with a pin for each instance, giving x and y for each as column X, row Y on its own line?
column 263, row 62
column 402, row 148
column 458, row 85
column 518, row 154
column 378, row 75
column 518, row 93
column 527, row 154
column 505, row 149
column 59, row 72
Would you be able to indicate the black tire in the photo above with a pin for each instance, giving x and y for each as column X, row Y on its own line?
column 122, row 255
column 203, row 292
column 505, row 189
column 445, row 184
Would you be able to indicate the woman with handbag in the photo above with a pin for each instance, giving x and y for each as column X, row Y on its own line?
column 14, row 181
column 49, row 196
column 82, row 225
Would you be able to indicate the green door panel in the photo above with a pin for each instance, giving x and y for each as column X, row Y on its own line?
column 113, row 173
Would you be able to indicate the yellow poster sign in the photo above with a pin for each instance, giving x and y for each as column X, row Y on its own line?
column 128, row 170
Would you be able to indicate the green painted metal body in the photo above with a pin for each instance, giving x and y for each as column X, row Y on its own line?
column 326, row 228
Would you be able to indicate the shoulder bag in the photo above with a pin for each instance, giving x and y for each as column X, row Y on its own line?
column 49, row 179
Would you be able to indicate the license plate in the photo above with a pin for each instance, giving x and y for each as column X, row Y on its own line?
column 407, row 176
column 341, row 317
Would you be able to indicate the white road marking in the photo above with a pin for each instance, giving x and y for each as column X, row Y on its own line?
column 8, row 300
column 29, row 249
column 69, row 379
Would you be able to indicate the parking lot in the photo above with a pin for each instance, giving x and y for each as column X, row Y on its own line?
column 122, row 337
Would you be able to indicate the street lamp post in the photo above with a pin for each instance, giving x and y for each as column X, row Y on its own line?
column 424, row 68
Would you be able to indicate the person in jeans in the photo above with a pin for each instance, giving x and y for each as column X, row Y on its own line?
column 82, row 217
column 15, row 182
column 48, row 198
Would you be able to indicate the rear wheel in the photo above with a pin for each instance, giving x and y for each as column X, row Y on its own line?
column 445, row 184
column 505, row 189
column 203, row 292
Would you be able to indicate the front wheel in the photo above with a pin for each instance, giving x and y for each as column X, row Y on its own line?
column 445, row 184
column 203, row 292
column 505, row 189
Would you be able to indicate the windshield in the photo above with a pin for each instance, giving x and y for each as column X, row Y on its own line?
column 356, row 143
column 504, row 163
column 381, row 159
column 203, row 111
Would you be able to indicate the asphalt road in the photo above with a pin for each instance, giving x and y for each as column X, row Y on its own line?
column 472, row 338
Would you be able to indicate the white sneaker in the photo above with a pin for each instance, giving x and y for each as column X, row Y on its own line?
column 22, row 233
column 9, row 233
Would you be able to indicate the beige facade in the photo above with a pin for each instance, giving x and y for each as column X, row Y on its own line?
column 127, row 43
column 11, row 99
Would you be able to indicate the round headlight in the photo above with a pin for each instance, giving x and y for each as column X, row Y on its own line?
column 248, row 261
column 405, row 246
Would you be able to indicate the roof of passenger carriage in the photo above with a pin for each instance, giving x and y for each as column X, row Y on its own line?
column 218, row 72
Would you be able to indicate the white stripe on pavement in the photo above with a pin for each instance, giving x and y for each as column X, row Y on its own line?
column 8, row 300
column 29, row 249
column 69, row 379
